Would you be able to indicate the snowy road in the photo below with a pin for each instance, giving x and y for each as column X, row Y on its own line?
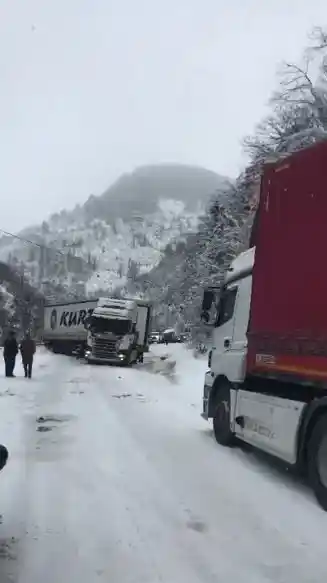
column 121, row 481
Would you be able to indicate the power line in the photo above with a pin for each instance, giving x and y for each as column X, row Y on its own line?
column 40, row 245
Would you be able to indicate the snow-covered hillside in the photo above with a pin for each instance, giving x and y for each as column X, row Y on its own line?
column 113, row 238
column 97, row 256
column 137, row 246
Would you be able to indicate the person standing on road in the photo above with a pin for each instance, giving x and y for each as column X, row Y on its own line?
column 27, row 349
column 10, row 351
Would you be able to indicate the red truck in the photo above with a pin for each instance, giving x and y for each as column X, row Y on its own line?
column 267, row 377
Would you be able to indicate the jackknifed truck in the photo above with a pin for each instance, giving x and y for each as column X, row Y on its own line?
column 106, row 330
column 267, row 378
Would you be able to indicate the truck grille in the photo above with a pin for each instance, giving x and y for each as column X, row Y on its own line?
column 104, row 348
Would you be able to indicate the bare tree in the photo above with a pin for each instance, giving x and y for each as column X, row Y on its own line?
column 299, row 107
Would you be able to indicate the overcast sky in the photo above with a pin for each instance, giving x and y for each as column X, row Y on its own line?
column 93, row 88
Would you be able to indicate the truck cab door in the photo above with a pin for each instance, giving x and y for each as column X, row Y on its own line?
column 230, row 342
column 223, row 332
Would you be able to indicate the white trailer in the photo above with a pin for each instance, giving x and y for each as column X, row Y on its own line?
column 64, row 328
column 105, row 330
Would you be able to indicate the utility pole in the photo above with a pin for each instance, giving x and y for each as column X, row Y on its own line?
column 24, row 301
column 42, row 262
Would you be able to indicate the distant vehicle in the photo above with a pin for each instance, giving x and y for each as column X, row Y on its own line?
column 169, row 336
column 106, row 330
column 267, row 378
column 154, row 338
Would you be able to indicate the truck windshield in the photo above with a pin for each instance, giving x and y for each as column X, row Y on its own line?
column 117, row 327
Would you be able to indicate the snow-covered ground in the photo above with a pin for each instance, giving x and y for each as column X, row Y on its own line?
column 121, row 481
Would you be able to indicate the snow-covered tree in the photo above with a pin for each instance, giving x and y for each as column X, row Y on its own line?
column 298, row 118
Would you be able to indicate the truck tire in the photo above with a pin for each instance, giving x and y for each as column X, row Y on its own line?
column 221, row 416
column 3, row 456
column 317, row 461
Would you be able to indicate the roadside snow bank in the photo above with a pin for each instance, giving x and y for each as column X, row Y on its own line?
column 159, row 361
column 175, row 359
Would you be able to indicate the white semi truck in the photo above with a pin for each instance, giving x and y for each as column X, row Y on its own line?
column 105, row 330
column 267, row 371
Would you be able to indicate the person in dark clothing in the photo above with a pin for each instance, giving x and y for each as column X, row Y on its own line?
column 10, row 351
column 27, row 349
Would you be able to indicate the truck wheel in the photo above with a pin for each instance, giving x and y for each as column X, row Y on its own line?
column 3, row 456
column 317, row 461
column 221, row 416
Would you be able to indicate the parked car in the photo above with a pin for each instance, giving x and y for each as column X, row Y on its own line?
column 169, row 336
column 154, row 338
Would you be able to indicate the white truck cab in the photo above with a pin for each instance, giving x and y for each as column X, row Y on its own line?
column 118, row 331
column 231, row 320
